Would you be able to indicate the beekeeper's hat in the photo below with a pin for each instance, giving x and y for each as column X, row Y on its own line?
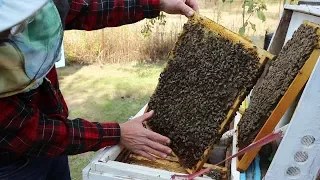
column 13, row 12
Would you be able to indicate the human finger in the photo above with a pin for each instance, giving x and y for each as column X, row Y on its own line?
column 185, row 9
column 144, row 117
column 157, row 146
column 146, row 155
column 157, row 137
column 154, row 152
column 193, row 4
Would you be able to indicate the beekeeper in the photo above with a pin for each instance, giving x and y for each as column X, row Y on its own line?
column 35, row 133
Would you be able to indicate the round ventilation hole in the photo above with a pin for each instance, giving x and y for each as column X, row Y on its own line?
column 301, row 156
column 307, row 140
column 293, row 171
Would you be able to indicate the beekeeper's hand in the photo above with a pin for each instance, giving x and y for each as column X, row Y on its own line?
column 185, row 7
column 142, row 141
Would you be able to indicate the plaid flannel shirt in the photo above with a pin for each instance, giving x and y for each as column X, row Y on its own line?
column 36, row 123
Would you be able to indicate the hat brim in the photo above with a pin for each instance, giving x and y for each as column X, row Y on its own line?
column 13, row 12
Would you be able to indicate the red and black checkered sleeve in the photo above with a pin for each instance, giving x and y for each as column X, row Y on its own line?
column 97, row 14
column 25, row 130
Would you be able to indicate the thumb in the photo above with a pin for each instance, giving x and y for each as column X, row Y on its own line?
column 185, row 9
column 145, row 116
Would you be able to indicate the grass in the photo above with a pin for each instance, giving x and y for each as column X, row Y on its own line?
column 112, row 92
column 127, row 44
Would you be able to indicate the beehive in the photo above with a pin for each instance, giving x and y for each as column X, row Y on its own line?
column 209, row 73
column 284, row 80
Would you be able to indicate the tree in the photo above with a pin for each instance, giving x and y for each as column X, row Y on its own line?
column 149, row 24
column 249, row 9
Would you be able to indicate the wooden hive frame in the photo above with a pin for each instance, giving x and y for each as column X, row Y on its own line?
column 290, row 95
column 263, row 56
column 169, row 163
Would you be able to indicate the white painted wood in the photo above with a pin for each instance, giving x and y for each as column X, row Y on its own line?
column 85, row 172
column 108, row 153
column 118, row 170
column 121, row 170
column 235, row 174
column 297, row 19
column 111, row 153
column 306, row 9
column 103, row 166
column 141, row 112
column 104, row 176
column 276, row 171
column 87, row 169
column 287, row 115
column 311, row 2
column 305, row 121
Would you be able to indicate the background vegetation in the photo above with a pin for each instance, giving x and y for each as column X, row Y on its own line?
column 134, row 43
column 111, row 73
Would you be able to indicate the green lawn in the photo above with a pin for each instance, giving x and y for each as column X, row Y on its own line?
column 106, row 93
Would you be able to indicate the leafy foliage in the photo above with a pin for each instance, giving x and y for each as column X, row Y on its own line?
column 251, row 7
column 149, row 24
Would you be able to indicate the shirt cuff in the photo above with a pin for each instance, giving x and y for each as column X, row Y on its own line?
column 111, row 134
column 151, row 8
